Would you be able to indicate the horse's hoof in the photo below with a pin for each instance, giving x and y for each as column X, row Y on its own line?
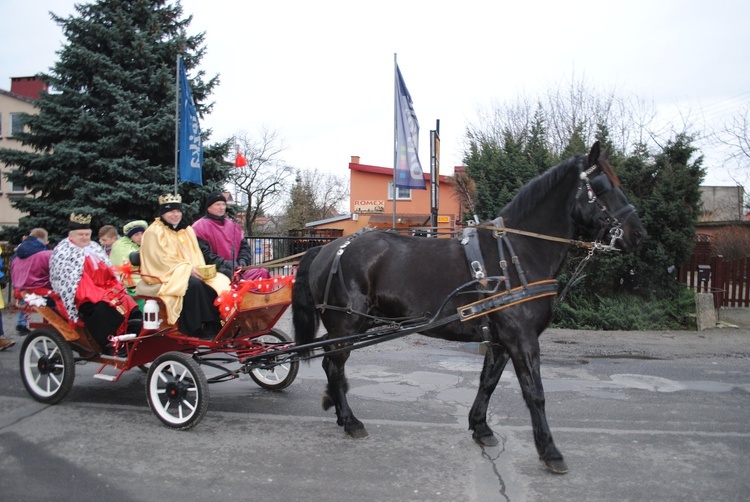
column 327, row 402
column 555, row 465
column 358, row 433
column 489, row 440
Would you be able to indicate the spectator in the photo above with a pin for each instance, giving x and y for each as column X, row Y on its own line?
column 107, row 237
column 170, row 252
column 29, row 270
column 222, row 241
column 90, row 292
column 122, row 250
column 5, row 343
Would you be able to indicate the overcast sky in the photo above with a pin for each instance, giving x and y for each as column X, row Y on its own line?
column 320, row 73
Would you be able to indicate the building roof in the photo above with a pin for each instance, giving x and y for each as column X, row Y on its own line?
column 329, row 220
column 16, row 96
column 364, row 168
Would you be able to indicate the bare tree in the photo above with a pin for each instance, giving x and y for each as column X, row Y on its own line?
column 735, row 136
column 261, row 183
column 571, row 108
column 731, row 242
column 466, row 193
column 315, row 196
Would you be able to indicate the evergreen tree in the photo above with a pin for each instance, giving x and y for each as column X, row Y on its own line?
column 536, row 151
column 301, row 207
column 667, row 195
column 103, row 140
column 500, row 167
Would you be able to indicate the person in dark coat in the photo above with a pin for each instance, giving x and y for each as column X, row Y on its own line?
column 222, row 241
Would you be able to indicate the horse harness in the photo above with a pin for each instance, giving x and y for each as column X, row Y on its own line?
column 510, row 296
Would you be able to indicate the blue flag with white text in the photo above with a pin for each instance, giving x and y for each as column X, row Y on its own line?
column 408, row 169
column 190, row 145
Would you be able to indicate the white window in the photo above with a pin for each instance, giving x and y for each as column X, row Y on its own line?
column 402, row 194
column 16, row 126
column 17, row 188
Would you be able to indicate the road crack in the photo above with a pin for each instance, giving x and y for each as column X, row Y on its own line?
column 499, row 449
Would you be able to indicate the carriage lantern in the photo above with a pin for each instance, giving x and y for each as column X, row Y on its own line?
column 151, row 315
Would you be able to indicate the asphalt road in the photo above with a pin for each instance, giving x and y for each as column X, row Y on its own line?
column 638, row 416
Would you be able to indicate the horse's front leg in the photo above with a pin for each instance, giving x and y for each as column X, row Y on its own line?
column 335, row 395
column 526, row 363
column 494, row 363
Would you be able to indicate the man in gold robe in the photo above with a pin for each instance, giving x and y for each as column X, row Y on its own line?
column 170, row 255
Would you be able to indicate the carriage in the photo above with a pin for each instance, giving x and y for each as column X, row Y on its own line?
column 176, row 386
column 495, row 286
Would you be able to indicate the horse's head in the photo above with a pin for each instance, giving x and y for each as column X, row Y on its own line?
column 601, row 208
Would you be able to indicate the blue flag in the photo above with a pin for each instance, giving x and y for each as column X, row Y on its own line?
column 191, row 147
column 408, row 169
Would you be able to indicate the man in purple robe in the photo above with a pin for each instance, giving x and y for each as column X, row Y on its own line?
column 223, row 242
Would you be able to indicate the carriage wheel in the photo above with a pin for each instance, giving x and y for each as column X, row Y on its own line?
column 280, row 376
column 47, row 366
column 177, row 390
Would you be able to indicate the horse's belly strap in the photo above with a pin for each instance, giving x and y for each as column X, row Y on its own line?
column 507, row 299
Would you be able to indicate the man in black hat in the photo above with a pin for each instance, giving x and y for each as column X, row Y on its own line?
column 170, row 256
column 222, row 241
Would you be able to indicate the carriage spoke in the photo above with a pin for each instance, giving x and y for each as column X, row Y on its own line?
column 52, row 377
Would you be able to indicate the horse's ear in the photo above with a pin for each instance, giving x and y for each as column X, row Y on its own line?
column 594, row 154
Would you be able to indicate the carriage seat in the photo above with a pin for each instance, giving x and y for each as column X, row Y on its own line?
column 147, row 290
column 58, row 318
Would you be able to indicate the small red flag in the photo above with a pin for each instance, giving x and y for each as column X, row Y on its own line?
column 240, row 160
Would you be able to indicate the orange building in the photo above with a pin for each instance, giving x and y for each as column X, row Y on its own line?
column 371, row 203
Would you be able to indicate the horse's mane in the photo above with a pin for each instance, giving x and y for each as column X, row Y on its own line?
column 529, row 196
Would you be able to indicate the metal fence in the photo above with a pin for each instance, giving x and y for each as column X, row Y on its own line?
column 268, row 248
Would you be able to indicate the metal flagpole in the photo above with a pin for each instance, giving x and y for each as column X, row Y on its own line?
column 395, row 134
column 177, row 125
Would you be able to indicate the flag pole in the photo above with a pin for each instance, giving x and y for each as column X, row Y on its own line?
column 236, row 188
column 176, row 123
column 395, row 134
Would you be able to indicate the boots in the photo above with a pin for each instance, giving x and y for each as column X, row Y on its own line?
column 5, row 343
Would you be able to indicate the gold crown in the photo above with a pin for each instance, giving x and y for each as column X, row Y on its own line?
column 80, row 219
column 170, row 199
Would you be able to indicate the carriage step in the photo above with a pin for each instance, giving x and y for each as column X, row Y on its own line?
column 101, row 375
column 109, row 378
column 116, row 359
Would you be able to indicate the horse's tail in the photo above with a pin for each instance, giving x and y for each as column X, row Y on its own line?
column 305, row 316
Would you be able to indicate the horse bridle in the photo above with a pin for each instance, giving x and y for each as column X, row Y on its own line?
column 595, row 188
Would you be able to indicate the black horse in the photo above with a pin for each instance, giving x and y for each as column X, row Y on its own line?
column 358, row 282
